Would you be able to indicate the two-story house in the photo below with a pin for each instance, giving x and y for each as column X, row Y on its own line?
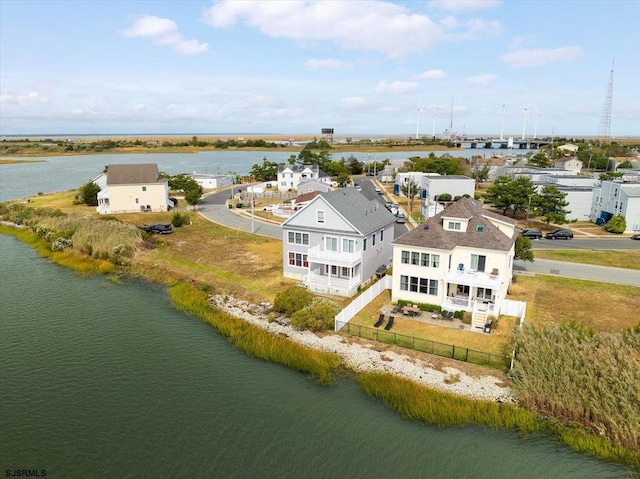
column 290, row 176
column 133, row 189
column 461, row 259
column 336, row 243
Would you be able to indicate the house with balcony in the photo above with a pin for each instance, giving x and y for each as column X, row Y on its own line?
column 133, row 188
column 460, row 259
column 335, row 244
column 290, row 176
column 617, row 197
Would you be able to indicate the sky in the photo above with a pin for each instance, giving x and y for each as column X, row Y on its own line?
column 364, row 68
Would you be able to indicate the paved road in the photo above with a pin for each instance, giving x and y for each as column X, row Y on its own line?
column 213, row 207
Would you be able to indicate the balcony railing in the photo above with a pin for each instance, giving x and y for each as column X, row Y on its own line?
column 320, row 255
column 473, row 278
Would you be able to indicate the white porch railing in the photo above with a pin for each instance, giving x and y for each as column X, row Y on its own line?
column 473, row 278
column 318, row 254
column 331, row 285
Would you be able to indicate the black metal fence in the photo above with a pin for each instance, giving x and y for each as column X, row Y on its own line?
column 427, row 346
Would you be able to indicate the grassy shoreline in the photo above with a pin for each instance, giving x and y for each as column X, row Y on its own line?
column 188, row 293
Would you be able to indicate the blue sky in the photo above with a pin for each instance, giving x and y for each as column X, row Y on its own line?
column 294, row 67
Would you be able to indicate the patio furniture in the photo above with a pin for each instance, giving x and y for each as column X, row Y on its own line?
column 411, row 311
column 448, row 315
column 390, row 323
column 436, row 315
column 379, row 321
column 396, row 310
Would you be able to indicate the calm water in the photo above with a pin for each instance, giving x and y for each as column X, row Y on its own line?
column 61, row 173
column 100, row 379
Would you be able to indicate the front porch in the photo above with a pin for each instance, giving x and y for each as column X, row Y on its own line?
column 332, row 284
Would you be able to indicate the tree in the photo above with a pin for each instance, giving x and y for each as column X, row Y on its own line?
column 410, row 190
column 193, row 196
column 616, row 224
column 479, row 169
column 317, row 316
column 182, row 182
column 514, row 194
column 550, row 204
column 523, row 250
column 292, row 299
column 625, row 164
column 268, row 171
column 89, row 193
column 539, row 160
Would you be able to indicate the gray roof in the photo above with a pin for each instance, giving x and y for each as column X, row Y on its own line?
column 301, row 168
column 365, row 215
column 132, row 174
column 433, row 235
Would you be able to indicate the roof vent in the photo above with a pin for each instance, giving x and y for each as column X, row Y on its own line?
column 425, row 227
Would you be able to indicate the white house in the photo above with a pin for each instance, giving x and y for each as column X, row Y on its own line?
column 617, row 198
column 569, row 163
column 133, row 189
column 310, row 186
column 207, row 181
column 569, row 148
column 460, row 259
column 290, row 176
column 335, row 244
column 433, row 187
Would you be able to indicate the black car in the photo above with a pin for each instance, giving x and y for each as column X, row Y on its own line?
column 636, row 236
column 158, row 228
column 559, row 234
column 532, row 234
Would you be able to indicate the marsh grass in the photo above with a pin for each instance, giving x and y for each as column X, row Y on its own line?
column 416, row 402
column 254, row 341
column 576, row 375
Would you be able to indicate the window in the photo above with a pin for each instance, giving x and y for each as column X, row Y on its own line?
column 364, row 244
column 424, row 285
column 381, row 235
column 424, row 259
column 320, row 216
column 435, row 260
column 345, row 272
column 415, row 258
column 479, row 228
column 331, row 243
column 373, row 240
column 478, row 262
column 433, row 287
column 298, row 238
column 405, row 257
column 348, row 245
column 413, row 284
column 298, row 259
column 454, row 225
column 484, row 293
column 137, row 201
column 404, row 283
column 144, row 188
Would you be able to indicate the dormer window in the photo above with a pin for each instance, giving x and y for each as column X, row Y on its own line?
column 479, row 228
column 454, row 225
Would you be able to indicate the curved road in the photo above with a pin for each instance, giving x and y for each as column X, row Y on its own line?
column 213, row 207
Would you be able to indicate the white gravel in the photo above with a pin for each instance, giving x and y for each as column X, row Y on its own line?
column 363, row 357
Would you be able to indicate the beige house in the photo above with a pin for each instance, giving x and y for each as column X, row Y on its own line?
column 569, row 163
column 461, row 259
column 134, row 189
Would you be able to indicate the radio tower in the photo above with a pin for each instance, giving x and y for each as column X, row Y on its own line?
column 605, row 121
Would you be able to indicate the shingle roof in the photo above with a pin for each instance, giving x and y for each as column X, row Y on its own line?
column 433, row 235
column 365, row 215
column 132, row 174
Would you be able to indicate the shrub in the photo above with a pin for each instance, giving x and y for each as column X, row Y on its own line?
column 180, row 219
column 292, row 299
column 617, row 224
column 317, row 316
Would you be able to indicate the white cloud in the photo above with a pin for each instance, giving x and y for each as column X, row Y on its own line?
column 329, row 63
column 397, row 87
column 432, row 74
column 540, row 56
column 23, row 98
column 465, row 5
column 376, row 26
column 477, row 29
column 353, row 102
column 164, row 32
column 482, row 80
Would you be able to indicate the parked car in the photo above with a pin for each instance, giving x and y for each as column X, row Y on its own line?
column 559, row 234
column 532, row 234
column 636, row 236
column 400, row 218
column 161, row 228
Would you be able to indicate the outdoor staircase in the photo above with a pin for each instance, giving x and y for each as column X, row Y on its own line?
column 479, row 318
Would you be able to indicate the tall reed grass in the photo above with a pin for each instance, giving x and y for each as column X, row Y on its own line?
column 416, row 402
column 254, row 341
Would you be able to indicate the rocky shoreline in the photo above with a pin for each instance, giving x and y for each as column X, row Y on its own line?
column 363, row 357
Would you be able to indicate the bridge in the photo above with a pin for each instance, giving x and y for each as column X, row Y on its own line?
column 505, row 143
